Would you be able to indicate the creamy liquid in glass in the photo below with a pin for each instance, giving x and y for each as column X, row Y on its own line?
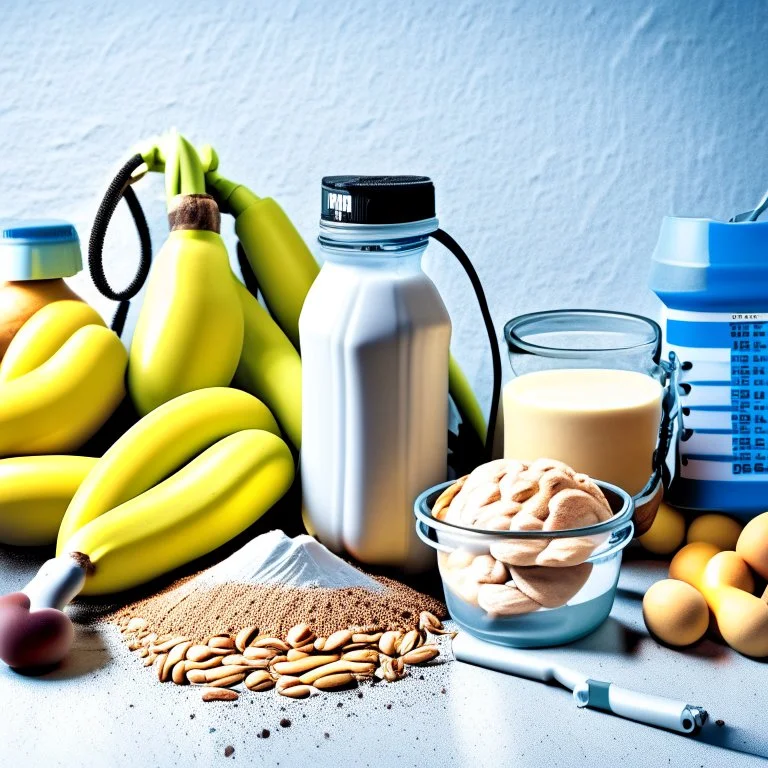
column 600, row 421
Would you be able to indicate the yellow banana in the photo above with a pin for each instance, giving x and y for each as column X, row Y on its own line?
column 158, row 445
column 60, row 404
column 270, row 366
column 202, row 506
column 190, row 329
column 43, row 334
column 34, row 494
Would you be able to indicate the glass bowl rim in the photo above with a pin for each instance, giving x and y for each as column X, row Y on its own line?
column 423, row 511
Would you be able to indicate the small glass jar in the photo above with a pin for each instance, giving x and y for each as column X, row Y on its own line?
column 589, row 390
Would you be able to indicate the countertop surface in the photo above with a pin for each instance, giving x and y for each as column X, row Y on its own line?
column 102, row 708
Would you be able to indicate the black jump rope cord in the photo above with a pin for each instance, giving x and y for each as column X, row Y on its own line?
column 119, row 189
column 447, row 241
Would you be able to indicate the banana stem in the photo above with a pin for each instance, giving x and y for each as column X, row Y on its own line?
column 172, row 170
column 230, row 196
column 192, row 178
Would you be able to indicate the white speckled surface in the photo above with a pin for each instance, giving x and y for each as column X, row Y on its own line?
column 104, row 709
column 558, row 133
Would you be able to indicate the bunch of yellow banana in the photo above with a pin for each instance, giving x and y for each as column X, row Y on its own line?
column 184, row 480
column 60, row 380
column 199, row 327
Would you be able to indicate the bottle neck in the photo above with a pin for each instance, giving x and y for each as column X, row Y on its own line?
column 376, row 245
column 380, row 254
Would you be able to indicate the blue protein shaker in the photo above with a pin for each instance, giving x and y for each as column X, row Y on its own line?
column 712, row 278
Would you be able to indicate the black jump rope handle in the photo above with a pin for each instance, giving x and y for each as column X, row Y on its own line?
column 120, row 189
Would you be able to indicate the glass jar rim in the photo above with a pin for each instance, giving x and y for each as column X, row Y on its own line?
column 517, row 343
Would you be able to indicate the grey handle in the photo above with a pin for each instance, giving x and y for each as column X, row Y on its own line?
column 640, row 707
column 56, row 584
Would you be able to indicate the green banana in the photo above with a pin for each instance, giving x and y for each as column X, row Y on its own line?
column 270, row 366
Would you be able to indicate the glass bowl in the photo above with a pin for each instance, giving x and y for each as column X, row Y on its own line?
column 556, row 603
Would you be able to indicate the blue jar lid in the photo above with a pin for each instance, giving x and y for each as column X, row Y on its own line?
column 707, row 265
column 38, row 249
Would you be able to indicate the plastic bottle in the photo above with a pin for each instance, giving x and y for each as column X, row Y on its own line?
column 35, row 256
column 713, row 280
column 375, row 339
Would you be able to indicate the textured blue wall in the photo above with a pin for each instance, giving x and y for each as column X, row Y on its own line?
column 559, row 132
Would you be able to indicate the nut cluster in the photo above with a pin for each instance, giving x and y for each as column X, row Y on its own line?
column 520, row 575
column 295, row 666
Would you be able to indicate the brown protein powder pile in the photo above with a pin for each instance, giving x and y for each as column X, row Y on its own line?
column 182, row 609
column 316, row 588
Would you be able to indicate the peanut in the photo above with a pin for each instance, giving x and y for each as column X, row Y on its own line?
column 263, row 654
column 244, row 637
column 299, row 635
column 225, row 682
column 260, row 680
column 220, row 694
column 166, row 646
column 355, row 667
column 332, row 682
column 299, row 666
column 411, row 640
column 221, row 642
column 271, row 642
column 421, row 655
column 200, row 653
column 179, row 673
column 297, row 692
column 367, row 638
column 179, row 652
column 337, row 640
column 368, row 655
column 286, row 681
column 389, row 643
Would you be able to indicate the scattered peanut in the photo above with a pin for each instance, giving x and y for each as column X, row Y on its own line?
column 260, row 680
column 332, row 682
column 219, row 694
column 295, row 667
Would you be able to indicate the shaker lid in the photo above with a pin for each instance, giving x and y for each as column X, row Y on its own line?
column 377, row 199
column 38, row 249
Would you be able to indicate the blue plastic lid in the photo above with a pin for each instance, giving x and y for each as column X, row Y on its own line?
column 711, row 265
column 38, row 249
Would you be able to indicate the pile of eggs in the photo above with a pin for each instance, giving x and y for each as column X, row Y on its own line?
column 715, row 571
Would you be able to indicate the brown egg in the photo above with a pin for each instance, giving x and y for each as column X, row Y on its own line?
column 753, row 544
column 666, row 533
column 675, row 612
column 728, row 569
column 689, row 563
column 742, row 620
column 719, row 530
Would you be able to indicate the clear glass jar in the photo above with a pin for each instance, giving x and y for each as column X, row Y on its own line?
column 589, row 390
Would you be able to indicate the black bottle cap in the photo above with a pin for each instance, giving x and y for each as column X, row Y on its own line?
column 377, row 199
